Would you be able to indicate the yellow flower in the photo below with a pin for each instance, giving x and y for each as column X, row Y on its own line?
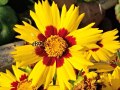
column 115, row 79
column 55, row 45
column 111, row 81
column 18, row 82
column 85, row 82
column 104, row 81
column 106, row 47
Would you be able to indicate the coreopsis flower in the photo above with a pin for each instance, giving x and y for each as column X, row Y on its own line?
column 55, row 46
column 115, row 79
column 106, row 47
column 104, row 82
column 111, row 81
column 18, row 82
column 85, row 82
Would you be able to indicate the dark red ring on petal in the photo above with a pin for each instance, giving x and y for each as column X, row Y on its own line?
column 49, row 61
column 70, row 40
column 41, row 37
column 23, row 77
column 40, row 51
column 96, row 49
column 63, row 32
column 14, row 85
column 50, row 30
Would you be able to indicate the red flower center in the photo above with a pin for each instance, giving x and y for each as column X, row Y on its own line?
column 23, row 84
column 55, row 47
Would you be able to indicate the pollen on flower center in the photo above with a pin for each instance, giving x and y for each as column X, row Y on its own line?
column 55, row 46
column 25, row 85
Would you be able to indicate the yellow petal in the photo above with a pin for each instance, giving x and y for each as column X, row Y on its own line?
column 10, row 75
column 116, row 73
column 78, row 59
column 37, row 21
column 50, row 75
column 101, row 67
column 46, row 11
column 71, row 19
column 55, row 15
column 75, row 48
column 62, row 78
column 5, row 81
column 95, row 56
column 78, row 21
column 25, row 55
column 18, row 73
column 5, row 88
column 52, row 87
column 27, row 31
column 35, row 76
column 69, row 70
column 63, row 15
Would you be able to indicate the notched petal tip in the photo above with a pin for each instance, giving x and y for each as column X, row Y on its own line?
column 31, row 12
column 115, row 30
column 92, row 24
column 82, row 16
column 64, row 6
column 17, row 25
column 53, row 3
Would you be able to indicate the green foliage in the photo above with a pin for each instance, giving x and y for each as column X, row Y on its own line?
column 54, row 79
column 3, row 2
column 79, row 79
column 118, row 59
column 7, row 21
column 27, row 69
column 117, row 11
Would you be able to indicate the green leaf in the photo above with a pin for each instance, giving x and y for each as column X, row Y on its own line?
column 117, row 12
column 71, row 81
column 7, row 20
column 80, row 78
column 3, row 2
column 118, row 54
column 118, row 64
column 54, row 79
column 27, row 69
